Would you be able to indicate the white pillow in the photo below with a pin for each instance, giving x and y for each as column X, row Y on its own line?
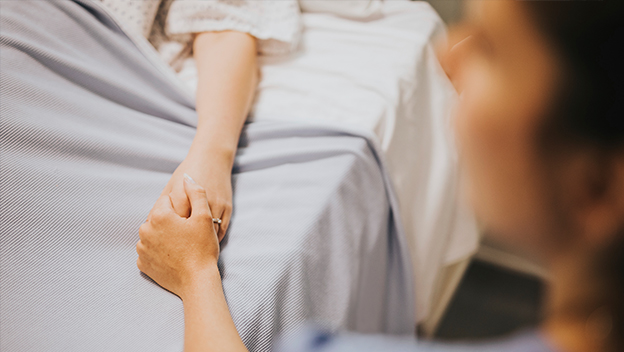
column 345, row 8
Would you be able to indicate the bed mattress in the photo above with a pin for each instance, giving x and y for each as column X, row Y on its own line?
column 92, row 128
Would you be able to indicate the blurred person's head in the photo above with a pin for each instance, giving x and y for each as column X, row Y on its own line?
column 541, row 133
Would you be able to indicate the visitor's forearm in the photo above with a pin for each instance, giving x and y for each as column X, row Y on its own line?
column 208, row 325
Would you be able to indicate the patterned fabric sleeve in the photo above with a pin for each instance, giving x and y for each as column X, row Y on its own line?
column 275, row 23
column 136, row 16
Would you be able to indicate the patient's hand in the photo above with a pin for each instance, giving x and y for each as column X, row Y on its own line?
column 213, row 172
column 174, row 250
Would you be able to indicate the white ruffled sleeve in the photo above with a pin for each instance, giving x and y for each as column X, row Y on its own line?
column 136, row 16
column 275, row 23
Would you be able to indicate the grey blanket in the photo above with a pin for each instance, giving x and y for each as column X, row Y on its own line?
column 92, row 128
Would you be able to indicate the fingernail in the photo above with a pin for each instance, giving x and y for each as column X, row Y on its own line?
column 189, row 179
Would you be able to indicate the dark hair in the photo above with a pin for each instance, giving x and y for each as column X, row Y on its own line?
column 589, row 36
column 589, row 106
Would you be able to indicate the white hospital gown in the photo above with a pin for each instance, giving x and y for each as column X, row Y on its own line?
column 169, row 24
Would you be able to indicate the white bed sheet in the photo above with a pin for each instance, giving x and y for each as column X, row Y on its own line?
column 382, row 75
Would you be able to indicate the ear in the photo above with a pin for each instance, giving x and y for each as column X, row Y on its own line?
column 600, row 192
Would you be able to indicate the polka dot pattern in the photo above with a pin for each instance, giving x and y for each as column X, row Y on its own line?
column 169, row 24
column 137, row 15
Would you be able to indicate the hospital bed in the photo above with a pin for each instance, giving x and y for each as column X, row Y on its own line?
column 92, row 127
column 380, row 74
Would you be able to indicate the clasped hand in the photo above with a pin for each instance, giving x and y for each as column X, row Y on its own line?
column 175, row 250
column 215, row 176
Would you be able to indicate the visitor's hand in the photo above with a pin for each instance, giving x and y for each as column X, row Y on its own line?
column 215, row 176
column 175, row 251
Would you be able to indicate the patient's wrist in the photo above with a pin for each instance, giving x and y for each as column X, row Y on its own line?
column 212, row 133
column 214, row 155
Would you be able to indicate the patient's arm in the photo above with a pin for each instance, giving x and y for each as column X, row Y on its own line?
column 181, row 254
column 228, row 75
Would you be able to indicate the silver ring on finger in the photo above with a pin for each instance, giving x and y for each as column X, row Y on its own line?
column 217, row 221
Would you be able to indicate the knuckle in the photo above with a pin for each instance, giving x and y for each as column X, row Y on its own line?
column 143, row 230
column 176, row 197
column 145, row 236
column 140, row 248
column 159, row 215
column 140, row 264
column 204, row 215
column 200, row 191
column 224, row 203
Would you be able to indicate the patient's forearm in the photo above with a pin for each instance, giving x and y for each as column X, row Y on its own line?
column 227, row 78
column 208, row 325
